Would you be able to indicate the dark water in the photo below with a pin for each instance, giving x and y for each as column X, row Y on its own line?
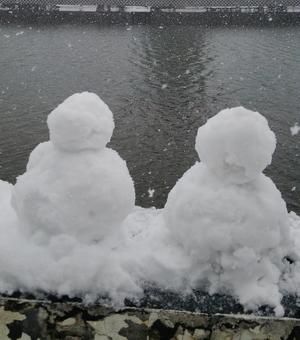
column 162, row 83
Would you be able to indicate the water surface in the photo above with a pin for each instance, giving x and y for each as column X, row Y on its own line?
column 162, row 83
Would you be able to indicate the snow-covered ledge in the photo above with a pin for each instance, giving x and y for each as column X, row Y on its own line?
column 69, row 226
column 33, row 319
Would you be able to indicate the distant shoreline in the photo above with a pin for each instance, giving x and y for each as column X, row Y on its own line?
column 153, row 17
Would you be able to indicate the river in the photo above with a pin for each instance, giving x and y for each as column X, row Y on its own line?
column 161, row 82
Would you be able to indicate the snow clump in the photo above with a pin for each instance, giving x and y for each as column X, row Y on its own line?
column 229, row 217
column 73, row 184
column 82, row 122
column 236, row 144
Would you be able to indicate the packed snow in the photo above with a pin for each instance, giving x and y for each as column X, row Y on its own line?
column 82, row 122
column 73, row 184
column 69, row 225
column 236, row 144
column 236, row 215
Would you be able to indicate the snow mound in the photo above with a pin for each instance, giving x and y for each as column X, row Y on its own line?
column 235, row 235
column 69, row 225
column 149, row 252
column 82, row 122
column 228, row 217
column 218, row 215
column 85, row 193
column 236, row 144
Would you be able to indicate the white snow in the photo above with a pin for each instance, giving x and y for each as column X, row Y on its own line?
column 69, row 225
column 149, row 254
column 227, row 215
column 295, row 129
column 151, row 192
column 236, row 144
column 7, row 214
column 73, row 183
column 83, row 121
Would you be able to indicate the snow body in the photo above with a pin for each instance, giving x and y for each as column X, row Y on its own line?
column 228, row 217
column 73, row 184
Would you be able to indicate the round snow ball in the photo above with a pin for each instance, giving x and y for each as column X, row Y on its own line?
column 236, row 144
column 82, row 122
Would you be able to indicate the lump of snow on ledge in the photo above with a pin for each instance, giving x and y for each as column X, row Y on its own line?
column 73, row 184
column 72, row 227
column 229, row 217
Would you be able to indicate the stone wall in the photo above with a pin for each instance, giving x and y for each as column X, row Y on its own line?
column 31, row 319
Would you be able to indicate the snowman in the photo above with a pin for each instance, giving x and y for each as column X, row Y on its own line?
column 74, row 184
column 227, row 216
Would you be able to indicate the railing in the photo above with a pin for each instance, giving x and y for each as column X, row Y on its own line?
column 147, row 6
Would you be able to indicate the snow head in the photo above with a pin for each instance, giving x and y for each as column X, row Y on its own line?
column 236, row 144
column 74, row 185
column 83, row 121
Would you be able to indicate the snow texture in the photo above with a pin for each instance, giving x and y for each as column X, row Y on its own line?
column 69, row 225
column 236, row 144
column 82, row 122
column 227, row 215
